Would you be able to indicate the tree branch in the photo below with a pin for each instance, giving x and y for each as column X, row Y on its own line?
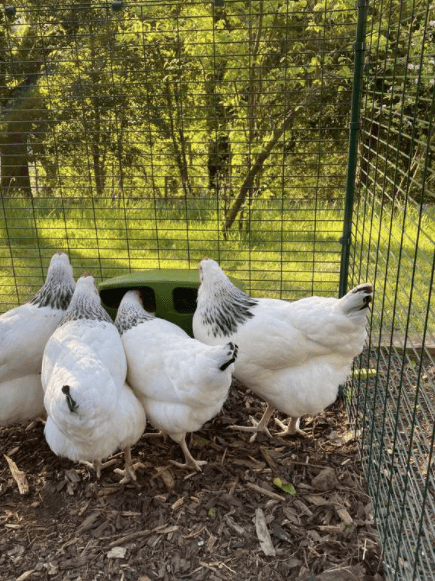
column 262, row 156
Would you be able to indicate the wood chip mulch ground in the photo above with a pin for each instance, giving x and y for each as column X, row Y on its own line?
column 274, row 509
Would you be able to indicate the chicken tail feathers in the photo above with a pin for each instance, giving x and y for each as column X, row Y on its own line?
column 232, row 350
column 357, row 299
column 72, row 405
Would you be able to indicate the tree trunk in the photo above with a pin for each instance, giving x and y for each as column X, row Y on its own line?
column 178, row 145
column 248, row 182
column 97, row 145
column 253, row 90
column 15, row 164
column 98, row 169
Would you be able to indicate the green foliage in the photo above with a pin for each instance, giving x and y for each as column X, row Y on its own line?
column 400, row 80
column 140, row 127
column 178, row 99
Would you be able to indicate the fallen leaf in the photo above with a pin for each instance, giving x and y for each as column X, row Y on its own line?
column 168, row 479
column 73, row 563
column 293, row 562
column 351, row 435
column 263, row 533
column 70, row 489
column 335, row 439
column 19, row 476
column 314, row 536
column 287, row 487
column 16, row 552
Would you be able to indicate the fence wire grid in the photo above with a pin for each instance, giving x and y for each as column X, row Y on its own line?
column 394, row 246
column 146, row 135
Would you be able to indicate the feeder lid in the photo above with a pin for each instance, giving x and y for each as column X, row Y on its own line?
column 175, row 276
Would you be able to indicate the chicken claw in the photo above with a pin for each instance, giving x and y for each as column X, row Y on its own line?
column 260, row 426
column 129, row 471
column 190, row 460
column 98, row 466
column 291, row 428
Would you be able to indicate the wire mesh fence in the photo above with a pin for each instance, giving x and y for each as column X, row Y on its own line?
column 149, row 134
column 394, row 244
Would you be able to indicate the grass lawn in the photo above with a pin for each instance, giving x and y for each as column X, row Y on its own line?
column 291, row 250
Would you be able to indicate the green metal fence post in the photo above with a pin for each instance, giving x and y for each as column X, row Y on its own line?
column 359, row 49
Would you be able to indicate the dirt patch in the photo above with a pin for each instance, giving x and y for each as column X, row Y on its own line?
column 229, row 522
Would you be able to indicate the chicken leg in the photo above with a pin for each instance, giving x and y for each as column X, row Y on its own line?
column 291, row 428
column 190, row 460
column 159, row 434
column 98, row 466
column 129, row 471
column 260, row 426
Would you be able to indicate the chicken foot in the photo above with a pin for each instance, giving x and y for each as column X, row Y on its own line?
column 291, row 428
column 98, row 466
column 190, row 460
column 159, row 434
column 129, row 471
column 260, row 426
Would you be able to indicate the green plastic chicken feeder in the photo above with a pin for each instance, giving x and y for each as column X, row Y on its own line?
column 169, row 293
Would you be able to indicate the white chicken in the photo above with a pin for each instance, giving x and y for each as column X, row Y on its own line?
column 24, row 332
column 91, row 410
column 181, row 382
column 293, row 355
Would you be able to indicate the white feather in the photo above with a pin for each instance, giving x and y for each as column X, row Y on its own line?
column 294, row 355
column 24, row 332
column 85, row 353
column 178, row 379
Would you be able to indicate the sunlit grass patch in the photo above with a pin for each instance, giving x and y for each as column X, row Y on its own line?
column 283, row 253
